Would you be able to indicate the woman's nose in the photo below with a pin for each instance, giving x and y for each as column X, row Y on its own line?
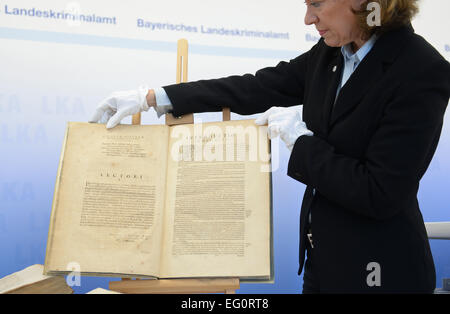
column 310, row 17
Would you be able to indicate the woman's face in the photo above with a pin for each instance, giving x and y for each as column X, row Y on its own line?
column 335, row 21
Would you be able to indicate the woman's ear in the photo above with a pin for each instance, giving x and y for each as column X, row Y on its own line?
column 359, row 5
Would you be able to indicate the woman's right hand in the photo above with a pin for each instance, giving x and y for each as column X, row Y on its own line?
column 122, row 104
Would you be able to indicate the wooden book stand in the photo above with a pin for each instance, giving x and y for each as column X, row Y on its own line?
column 197, row 285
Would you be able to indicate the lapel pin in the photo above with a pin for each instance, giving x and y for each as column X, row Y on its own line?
column 335, row 68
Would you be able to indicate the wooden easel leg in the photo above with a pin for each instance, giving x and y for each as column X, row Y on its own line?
column 182, row 76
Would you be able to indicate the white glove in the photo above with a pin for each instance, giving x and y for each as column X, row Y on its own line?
column 119, row 105
column 285, row 122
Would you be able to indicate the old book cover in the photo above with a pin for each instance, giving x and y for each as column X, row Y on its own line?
column 153, row 201
column 31, row 280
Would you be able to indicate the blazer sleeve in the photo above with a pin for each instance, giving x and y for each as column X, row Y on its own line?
column 386, row 180
column 282, row 85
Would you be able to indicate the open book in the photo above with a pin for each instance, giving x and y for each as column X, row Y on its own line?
column 166, row 202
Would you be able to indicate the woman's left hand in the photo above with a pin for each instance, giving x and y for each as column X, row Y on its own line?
column 286, row 122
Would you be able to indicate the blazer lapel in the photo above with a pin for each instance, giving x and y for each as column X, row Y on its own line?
column 322, row 95
column 335, row 71
column 369, row 72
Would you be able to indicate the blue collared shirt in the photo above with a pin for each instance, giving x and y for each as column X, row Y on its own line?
column 163, row 103
column 353, row 59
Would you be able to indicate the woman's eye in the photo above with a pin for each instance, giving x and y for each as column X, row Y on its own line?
column 314, row 4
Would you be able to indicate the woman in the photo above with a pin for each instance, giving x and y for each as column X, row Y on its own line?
column 374, row 99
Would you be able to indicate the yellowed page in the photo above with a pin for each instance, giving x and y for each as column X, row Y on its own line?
column 218, row 203
column 109, row 196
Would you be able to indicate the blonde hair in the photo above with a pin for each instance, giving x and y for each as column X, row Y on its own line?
column 394, row 13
